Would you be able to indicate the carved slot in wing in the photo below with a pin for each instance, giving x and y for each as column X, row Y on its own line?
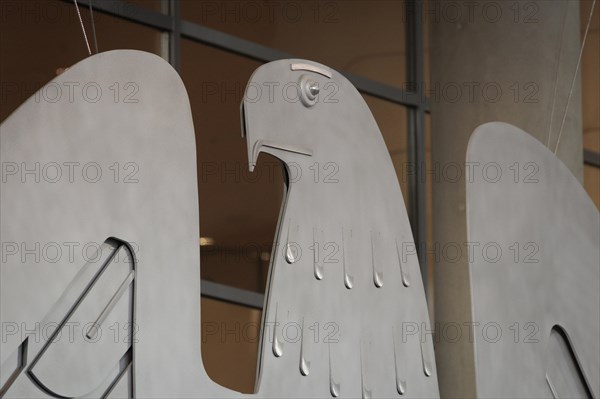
column 564, row 375
column 94, row 331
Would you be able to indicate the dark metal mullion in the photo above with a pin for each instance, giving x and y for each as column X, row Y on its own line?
column 175, row 35
column 412, row 176
column 230, row 43
column 234, row 295
column 386, row 92
column 129, row 11
column 411, row 122
column 591, row 158
column 414, row 12
column 420, row 200
column 420, row 141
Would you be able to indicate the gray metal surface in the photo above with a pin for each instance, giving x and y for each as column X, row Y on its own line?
column 337, row 305
column 139, row 135
column 345, row 310
column 60, row 347
column 541, row 293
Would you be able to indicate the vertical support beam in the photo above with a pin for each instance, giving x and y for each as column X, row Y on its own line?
column 175, row 35
column 416, row 121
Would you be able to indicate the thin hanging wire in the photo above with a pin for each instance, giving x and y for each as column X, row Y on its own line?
column 87, row 43
column 556, row 69
column 93, row 26
column 587, row 28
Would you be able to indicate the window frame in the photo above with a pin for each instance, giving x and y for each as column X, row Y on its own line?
column 170, row 23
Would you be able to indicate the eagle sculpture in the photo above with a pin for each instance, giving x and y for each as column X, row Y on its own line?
column 345, row 312
column 535, row 301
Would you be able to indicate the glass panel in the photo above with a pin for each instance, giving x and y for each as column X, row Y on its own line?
column 230, row 335
column 364, row 38
column 154, row 5
column 392, row 121
column 39, row 38
column 239, row 210
column 426, row 45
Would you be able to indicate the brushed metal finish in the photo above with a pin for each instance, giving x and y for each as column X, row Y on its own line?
column 338, row 298
column 61, row 359
column 336, row 277
column 552, row 284
column 152, row 205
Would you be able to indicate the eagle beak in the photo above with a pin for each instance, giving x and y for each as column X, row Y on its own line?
column 252, row 157
column 256, row 146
